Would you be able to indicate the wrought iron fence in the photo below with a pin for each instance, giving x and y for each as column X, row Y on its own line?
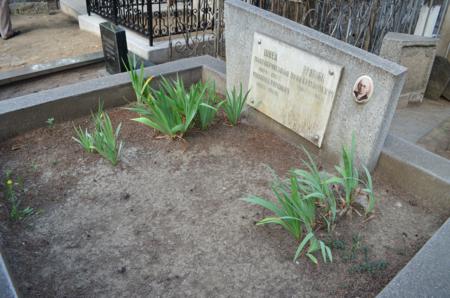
column 362, row 23
column 207, row 37
column 196, row 26
column 157, row 18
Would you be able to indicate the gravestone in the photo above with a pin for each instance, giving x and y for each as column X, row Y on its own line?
column 439, row 79
column 115, row 49
column 417, row 54
column 446, row 93
column 311, row 87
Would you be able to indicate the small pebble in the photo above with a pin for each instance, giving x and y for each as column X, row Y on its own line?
column 124, row 196
column 122, row 270
column 398, row 204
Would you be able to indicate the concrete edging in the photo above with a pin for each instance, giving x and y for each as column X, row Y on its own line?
column 427, row 274
column 36, row 70
column 76, row 100
column 417, row 171
column 7, row 288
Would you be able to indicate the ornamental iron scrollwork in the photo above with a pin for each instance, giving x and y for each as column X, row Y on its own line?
column 362, row 23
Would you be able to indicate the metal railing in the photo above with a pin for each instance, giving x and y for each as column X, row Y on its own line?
column 157, row 18
column 362, row 23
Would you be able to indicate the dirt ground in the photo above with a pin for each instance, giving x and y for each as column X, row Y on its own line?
column 45, row 38
column 168, row 220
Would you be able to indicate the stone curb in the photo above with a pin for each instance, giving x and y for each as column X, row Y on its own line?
column 24, row 113
column 7, row 289
column 417, row 171
column 428, row 273
column 36, row 70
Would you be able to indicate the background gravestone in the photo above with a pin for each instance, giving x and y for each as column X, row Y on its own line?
column 439, row 79
column 115, row 49
column 417, row 54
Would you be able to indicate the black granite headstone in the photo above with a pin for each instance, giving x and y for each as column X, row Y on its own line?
column 115, row 49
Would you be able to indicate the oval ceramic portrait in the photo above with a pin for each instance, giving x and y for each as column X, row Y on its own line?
column 363, row 89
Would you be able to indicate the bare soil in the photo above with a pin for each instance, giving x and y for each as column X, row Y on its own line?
column 168, row 220
column 45, row 38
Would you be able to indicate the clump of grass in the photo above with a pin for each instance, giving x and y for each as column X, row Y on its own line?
column 103, row 139
column 371, row 267
column 50, row 122
column 364, row 263
column 16, row 212
column 84, row 138
column 234, row 104
column 210, row 105
column 355, row 247
column 295, row 212
column 319, row 182
column 349, row 179
column 174, row 109
column 337, row 244
column 311, row 200
column 139, row 82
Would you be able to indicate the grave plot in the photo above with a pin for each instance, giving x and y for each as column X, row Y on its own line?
column 169, row 219
column 178, row 194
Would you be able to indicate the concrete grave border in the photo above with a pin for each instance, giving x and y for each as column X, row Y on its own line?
column 7, row 288
column 37, row 70
column 417, row 171
column 71, row 101
column 427, row 274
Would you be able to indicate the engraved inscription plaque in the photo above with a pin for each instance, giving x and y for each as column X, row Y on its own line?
column 292, row 86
